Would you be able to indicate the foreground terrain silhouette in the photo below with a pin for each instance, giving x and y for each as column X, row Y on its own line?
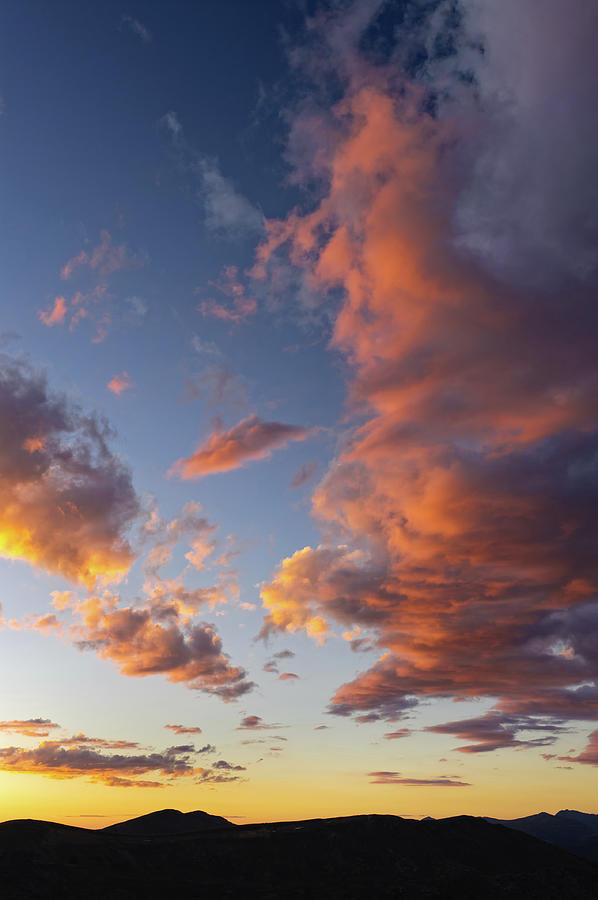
column 354, row 857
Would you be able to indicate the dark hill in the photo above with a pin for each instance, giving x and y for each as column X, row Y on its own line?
column 570, row 829
column 170, row 821
column 349, row 858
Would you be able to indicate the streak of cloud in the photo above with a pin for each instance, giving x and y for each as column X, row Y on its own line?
column 250, row 439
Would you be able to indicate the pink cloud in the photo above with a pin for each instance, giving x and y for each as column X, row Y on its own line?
column 459, row 515
column 55, row 315
column 251, row 439
column 120, row 383
column 237, row 307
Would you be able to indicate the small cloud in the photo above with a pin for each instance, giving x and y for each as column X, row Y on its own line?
column 286, row 676
column 184, row 729
column 396, row 735
column 46, row 623
column 396, row 778
column 138, row 28
column 254, row 723
column 226, row 211
column 29, row 727
column 56, row 314
column 120, row 383
column 223, row 764
column 250, row 439
column 171, row 122
column 236, row 306
column 303, row 474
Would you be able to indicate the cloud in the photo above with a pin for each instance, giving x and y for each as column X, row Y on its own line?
column 588, row 757
column 303, row 474
column 223, row 764
column 211, row 776
column 120, row 383
column 75, row 758
column 250, row 439
column 207, row 748
column 66, row 500
column 496, row 730
column 161, row 636
column 396, row 778
column 287, row 676
column 29, row 727
column 55, row 315
column 238, row 306
column 218, row 386
column 183, row 729
column 395, row 735
column 138, row 28
column 226, row 211
column 96, row 303
column 453, row 246
column 188, row 525
column 255, row 723
column 105, row 258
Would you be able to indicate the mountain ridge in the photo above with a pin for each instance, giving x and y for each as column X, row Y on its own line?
column 352, row 857
column 570, row 829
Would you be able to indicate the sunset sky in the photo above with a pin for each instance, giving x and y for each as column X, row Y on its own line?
column 298, row 408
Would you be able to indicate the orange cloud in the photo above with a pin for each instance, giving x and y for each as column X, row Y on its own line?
column 163, row 637
column 396, row 778
column 96, row 304
column 589, row 756
column 29, row 727
column 120, row 383
column 250, row 439
column 183, row 729
column 66, row 501
column 104, row 257
column 55, row 315
column 77, row 758
column 240, row 306
column 460, row 512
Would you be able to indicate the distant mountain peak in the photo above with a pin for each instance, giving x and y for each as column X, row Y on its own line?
column 170, row 821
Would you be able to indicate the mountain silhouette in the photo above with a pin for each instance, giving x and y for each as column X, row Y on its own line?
column 170, row 821
column 350, row 858
column 570, row 829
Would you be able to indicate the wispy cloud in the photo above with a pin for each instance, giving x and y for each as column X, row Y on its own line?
column 137, row 28
column 397, row 778
column 29, row 727
column 303, row 474
column 184, row 729
column 120, row 383
column 251, row 439
column 255, row 723
column 237, row 305
column 96, row 302
column 226, row 211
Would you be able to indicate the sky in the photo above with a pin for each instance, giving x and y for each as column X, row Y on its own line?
column 298, row 395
